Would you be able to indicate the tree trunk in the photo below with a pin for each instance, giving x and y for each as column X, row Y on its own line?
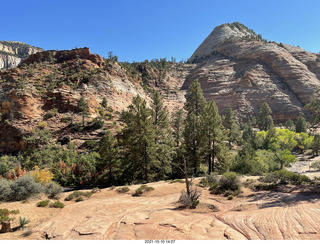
column 6, row 227
column 186, row 176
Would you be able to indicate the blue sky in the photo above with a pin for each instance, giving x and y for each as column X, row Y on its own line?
column 136, row 30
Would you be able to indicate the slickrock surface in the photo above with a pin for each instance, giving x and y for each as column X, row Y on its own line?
column 290, row 214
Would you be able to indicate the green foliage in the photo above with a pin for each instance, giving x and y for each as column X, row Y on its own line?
column 4, row 215
column 212, row 143
column 123, row 189
column 139, row 141
column 5, row 190
column 66, row 119
column 230, row 181
column 264, row 120
column 56, row 204
column 43, row 203
column 316, row 144
column 315, row 165
column 142, row 189
column 23, row 222
column 23, row 188
column 245, row 161
column 232, row 129
column 195, row 103
column 8, row 163
column 314, row 107
column 108, row 161
column 284, row 176
column 51, row 113
column 77, row 194
column 289, row 125
column 83, row 107
column 53, row 190
column 301, row 124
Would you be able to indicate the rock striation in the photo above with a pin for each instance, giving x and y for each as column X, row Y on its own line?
column 237, row 68
column 13, row 53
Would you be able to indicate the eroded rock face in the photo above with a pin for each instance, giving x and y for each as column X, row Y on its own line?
column 12, row 53
column 65, row 55
column 243, row 72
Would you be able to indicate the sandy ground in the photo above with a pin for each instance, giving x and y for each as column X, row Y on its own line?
column 290, row 214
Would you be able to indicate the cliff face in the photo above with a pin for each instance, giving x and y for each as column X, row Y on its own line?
column 12, row 53
column 237, row 68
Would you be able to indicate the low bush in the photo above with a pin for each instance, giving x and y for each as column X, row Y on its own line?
column 51, row 113
column 79, row 199
column 230, row 181
column 229, row 184
column 57, row 204
column 285, row 177
column 265, row 187
column 66, row 119
column 209, row 181
column 77, row 194
column 5, row 190
column 53, row 190
column 123, row 189
column 43, row 203
column 23, row 188
column 190, row 201
column 142, row 189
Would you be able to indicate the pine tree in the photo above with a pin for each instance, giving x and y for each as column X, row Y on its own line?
column 178, row 126
column 108, row 161
column 195, row 102
column 163, row 136
column 212, row 141
column 83, row 106
column 289, row 125
column 139, row 141
column 265, row 121
column 314, row 107
column 301, row 124
column 230, row 124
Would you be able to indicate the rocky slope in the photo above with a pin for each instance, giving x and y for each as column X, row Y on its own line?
column 12, row 53
column 55, row 80
column 237, row 68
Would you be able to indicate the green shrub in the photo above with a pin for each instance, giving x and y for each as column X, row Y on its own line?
column 5, row 190
column 230, row 181
column 142, row 189
column 209, row 181
column 43, row 203
column 176, row 181
column 4, row 214
column 66, row 119
column 230, row 197
column 79, row 199
column 265, row 187
column 24, row 187
column 53, row 112
column 77, row 194
column 53, row 190
column 123, row 189
column 57, row 204
column 285, row 177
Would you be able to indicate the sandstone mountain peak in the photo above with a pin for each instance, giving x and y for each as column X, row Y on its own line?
column 222, row 34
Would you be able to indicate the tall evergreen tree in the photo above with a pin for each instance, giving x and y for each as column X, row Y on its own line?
column 265, row 121
column 108, row 161
column 212, row 141
column 163, row 137
column 83, row 106
column 195, row 102
column 178, row 126
column 301, row 124
column 139, row 141
column 231, row 126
